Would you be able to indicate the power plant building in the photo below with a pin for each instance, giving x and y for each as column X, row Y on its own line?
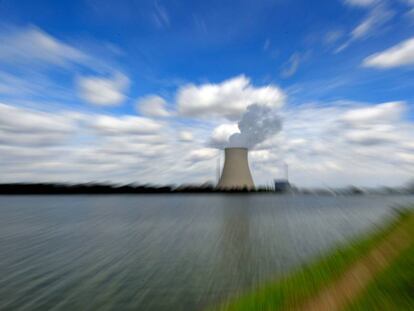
column 236, row 172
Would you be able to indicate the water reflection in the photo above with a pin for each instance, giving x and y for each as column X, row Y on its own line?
column 235, row 245
column 164, row 252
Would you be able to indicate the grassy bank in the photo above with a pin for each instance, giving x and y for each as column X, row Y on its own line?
column 393, row 288
column 291, row 291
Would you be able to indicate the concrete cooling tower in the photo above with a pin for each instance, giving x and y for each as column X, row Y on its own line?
column 236, row 172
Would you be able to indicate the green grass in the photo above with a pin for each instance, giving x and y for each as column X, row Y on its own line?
column 392, row 289
column 294, row 289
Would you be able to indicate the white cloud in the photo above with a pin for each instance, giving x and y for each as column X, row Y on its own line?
column 410, row 14
column 13, row 85
column 334, row 144
column 266, row 44
column 375, row 19
column 409, row 2
column 25, row 127
column 401, row 54
column 29, row 45
column 202, row 154
column 186, row 136
column 374, row 136
column 361, row 3
column 32, row 59
column 292, row 65
column 160, row 16
column 103, row 91
column 80, row 147
column 386, row 112
column 333, row 36
column 227, row 99
column 153, row 106
column 125, row 125
column 221, row 134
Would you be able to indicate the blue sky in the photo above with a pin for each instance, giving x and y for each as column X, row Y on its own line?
column 166, row 64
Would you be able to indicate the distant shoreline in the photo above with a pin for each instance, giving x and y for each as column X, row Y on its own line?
column 105, row 189
column 73, row 189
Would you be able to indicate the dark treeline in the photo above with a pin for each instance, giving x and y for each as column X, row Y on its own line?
column 99, row 188
column 92, row 188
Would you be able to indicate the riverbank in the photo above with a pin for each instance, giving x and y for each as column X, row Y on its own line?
column 107, row 188
column 353, row 276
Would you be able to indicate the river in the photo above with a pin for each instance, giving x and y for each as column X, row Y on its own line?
column 165, row 252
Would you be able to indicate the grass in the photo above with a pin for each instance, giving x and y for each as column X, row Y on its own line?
column 296, row 288
column 392, row 289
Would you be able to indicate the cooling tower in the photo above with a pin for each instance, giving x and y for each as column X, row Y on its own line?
column 236, row 172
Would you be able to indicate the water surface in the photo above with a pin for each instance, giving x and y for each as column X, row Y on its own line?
column 165, row 252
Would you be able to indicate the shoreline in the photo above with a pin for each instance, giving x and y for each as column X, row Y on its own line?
column 312, row 286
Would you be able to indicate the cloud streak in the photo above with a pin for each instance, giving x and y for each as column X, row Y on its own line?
column 292, row 65
column 399, row 55
column 379, row 14
column 103, row 91
column 361, row 3
column 153, row 106
column 32, row 45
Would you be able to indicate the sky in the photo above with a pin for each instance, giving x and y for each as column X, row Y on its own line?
column 152, row 91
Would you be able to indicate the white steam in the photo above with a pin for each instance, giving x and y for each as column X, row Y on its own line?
column 258, row 123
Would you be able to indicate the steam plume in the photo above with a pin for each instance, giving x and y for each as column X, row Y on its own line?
column 256, row 125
